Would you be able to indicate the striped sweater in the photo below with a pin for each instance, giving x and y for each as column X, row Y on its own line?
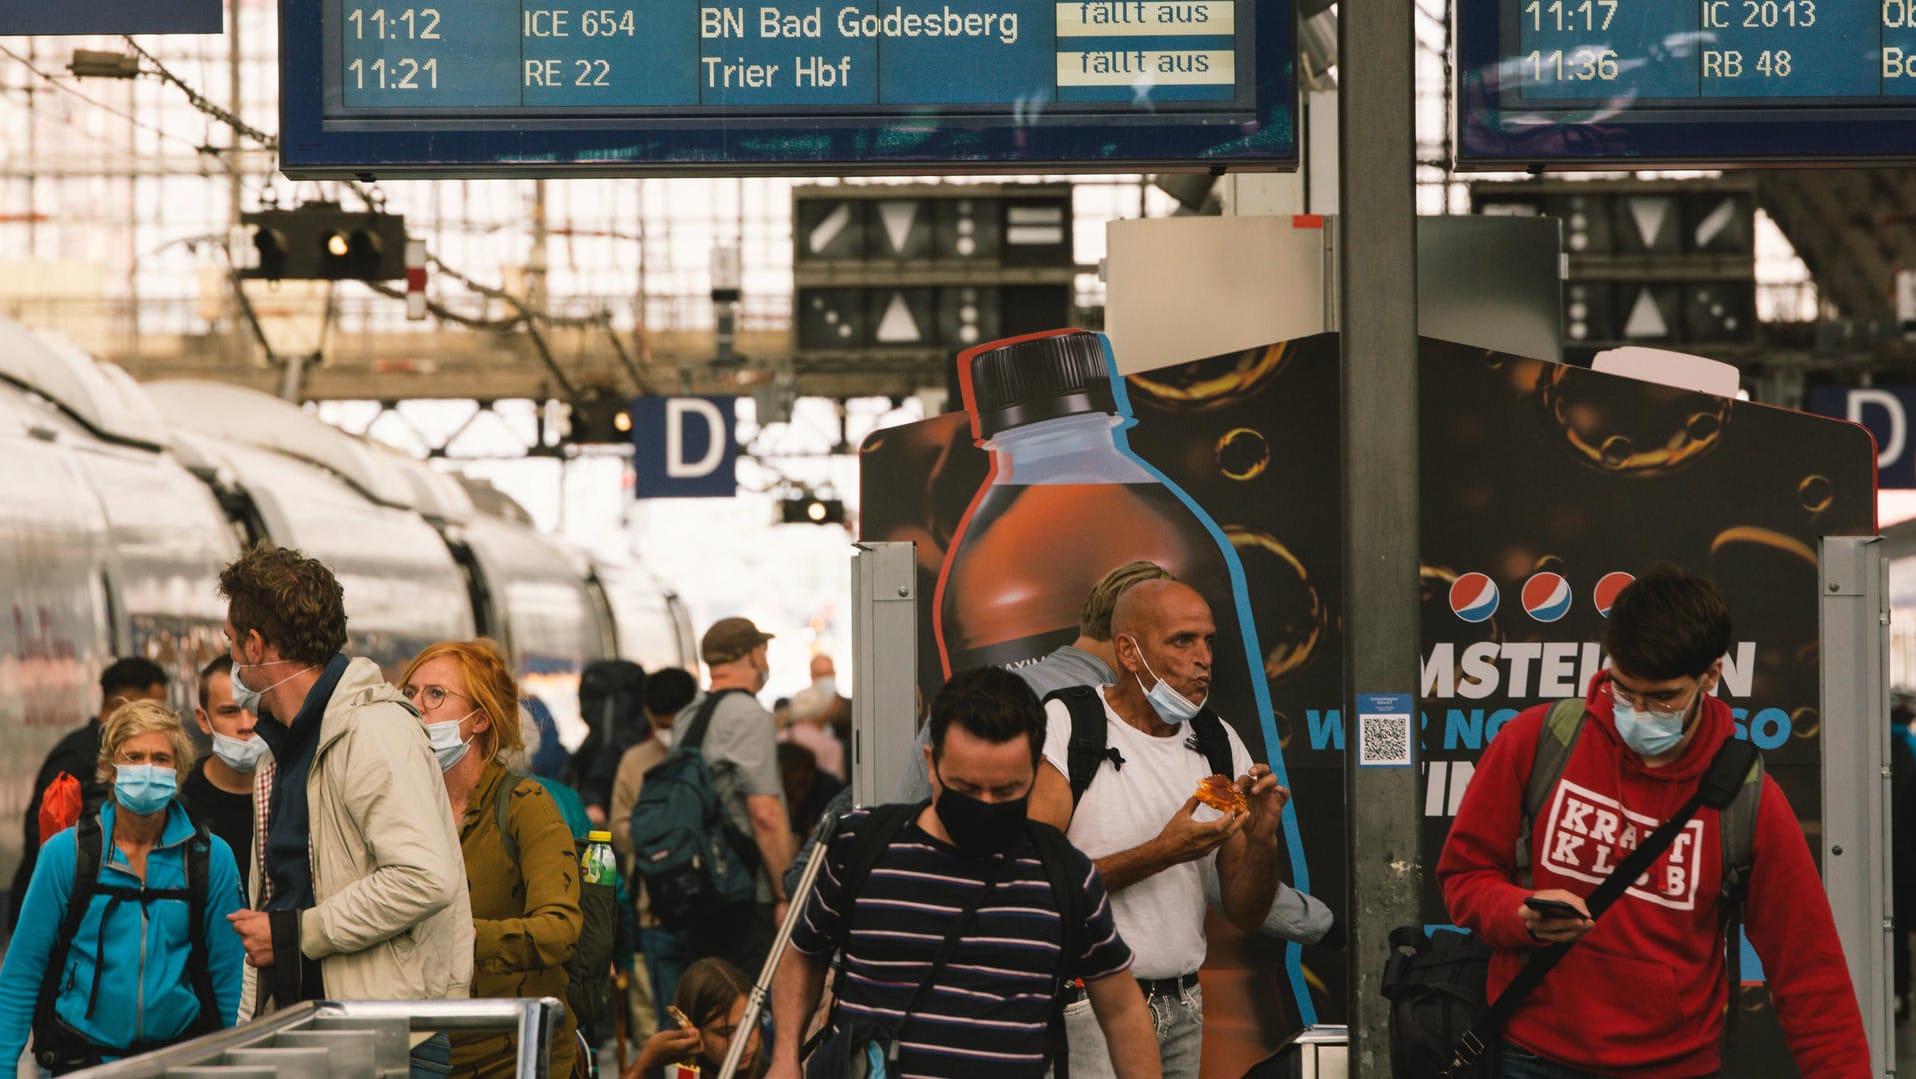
column 993, row 1001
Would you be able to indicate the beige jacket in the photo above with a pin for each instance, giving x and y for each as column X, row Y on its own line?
column 392, row 920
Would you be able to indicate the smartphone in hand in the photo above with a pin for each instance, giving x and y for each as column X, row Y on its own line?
column 1553, row 908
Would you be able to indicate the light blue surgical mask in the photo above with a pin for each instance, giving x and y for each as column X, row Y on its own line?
column 446, row 743
column 1170, row 705
column 240, row 754
column 1650, row 732
column 144, row 788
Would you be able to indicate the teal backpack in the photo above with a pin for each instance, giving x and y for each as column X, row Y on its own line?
column 689, row 853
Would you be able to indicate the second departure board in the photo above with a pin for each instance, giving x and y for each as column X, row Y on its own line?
column 542, row 86
column 1633, row 82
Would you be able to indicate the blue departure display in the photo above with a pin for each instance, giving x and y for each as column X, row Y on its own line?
column 1625, row 82
column 528, row 86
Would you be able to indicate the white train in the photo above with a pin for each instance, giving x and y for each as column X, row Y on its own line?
column 119, row 503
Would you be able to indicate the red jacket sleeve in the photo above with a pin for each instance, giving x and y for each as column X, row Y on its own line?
column 1791, row 927
column 1478, row 868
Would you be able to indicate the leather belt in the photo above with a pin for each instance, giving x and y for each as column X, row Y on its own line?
column 1152, row 987
column 1167, row 987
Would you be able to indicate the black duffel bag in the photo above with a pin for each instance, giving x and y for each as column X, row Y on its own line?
column 1435, row 984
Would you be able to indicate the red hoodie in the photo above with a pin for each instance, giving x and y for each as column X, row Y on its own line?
column 1643, row 993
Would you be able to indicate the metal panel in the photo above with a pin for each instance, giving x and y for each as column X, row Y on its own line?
column 1853, row 620
column 1492, row 282
column 884, row 666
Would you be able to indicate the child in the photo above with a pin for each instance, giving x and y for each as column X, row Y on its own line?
column 712, row 996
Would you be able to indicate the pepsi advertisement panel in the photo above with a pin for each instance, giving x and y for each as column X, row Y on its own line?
column 1545, row 490
column 1628, row 83
column 544, row 87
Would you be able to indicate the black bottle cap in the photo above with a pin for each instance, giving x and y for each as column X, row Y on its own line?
column 1040, row 379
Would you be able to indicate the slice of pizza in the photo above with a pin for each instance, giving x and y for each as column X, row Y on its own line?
column 1221, row 793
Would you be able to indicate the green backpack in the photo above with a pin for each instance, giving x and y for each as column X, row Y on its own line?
column 588, row 991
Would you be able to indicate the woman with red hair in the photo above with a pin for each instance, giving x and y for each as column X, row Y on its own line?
column 524, row 879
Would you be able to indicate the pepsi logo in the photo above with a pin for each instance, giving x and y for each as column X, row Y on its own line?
column 1546, row 596
column 1605, row 595
column 1473, row 597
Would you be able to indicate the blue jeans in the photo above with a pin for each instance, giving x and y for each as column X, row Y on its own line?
column 666, row 956
column 432, row 1058
column 1177, row 1020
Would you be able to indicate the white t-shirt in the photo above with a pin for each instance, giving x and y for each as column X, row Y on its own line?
column 1162, row 916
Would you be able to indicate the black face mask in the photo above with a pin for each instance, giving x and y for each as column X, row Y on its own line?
column 980, row 829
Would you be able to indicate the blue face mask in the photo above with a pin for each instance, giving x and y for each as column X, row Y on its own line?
column 144, row 788
column 1650, row 732
column 1170, row 705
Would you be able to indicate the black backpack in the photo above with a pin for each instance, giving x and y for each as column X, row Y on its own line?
column 59, row 1047
column 1088, row 752
column 612, row 703
column 1054, row 852
column 588, row 990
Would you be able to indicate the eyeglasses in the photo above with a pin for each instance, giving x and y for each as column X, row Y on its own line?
column 1664, row 701
column 430, row 696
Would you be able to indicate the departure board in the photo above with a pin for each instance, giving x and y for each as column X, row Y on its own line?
column 1630, row 82
column 543, row 87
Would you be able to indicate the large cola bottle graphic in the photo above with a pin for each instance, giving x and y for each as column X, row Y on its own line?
column 1065, row 503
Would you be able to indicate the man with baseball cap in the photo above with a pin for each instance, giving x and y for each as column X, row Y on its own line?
column 741, row 746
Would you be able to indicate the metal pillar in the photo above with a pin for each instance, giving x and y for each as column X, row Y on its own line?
column 1853, row 624
column 884, row 666
column 1377, row 277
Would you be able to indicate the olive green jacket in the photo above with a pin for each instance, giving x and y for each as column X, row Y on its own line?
column 525, row 914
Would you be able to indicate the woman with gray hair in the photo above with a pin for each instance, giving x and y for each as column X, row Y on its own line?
column 122, row 944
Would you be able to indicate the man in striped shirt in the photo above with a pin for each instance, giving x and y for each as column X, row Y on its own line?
column 991, row 1004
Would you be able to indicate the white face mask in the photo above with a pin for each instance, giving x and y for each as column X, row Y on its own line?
column 826, row 685
column 446, row 743
column 240, row 754
column 248, row 699
column 1171, row 706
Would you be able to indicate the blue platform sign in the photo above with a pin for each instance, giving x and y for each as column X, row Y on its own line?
column 639, row 87
column 1886, row 410
column 32, row 18
column 684, row 447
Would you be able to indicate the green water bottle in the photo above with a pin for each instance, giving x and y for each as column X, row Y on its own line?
column 596, row 862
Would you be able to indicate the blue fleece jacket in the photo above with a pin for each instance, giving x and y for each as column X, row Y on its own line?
column 145, row 992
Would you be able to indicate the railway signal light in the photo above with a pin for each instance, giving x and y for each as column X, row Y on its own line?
column 320, row 242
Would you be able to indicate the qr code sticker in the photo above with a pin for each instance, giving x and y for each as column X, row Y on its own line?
column 1383, row 741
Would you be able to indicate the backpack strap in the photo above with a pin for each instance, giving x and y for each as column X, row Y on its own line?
column 1736, row 829
column 1208, row 738
column 501, row 802
column 199, row 856
column 883, row 823
column 1561, row 726
column 701, row 720
column 88, row 844
column 1055, row 853
column 1085, row 753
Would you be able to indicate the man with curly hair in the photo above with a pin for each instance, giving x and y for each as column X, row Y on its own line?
column 358, row 882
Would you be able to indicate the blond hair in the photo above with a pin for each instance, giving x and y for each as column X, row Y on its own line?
column 135, row 718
